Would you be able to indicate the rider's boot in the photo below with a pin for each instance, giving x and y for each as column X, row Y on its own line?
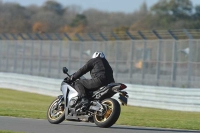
column 83, row 104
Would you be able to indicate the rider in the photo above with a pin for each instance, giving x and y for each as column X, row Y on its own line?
column 101, row 73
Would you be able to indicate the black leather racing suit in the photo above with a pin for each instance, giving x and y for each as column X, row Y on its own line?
column 100, row 71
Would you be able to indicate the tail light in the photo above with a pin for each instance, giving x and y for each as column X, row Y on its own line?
column 122, row 86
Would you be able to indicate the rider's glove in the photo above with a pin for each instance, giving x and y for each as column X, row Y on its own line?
column 69, row 79
column 72, row 78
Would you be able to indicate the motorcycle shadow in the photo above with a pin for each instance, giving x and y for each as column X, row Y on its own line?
column 77, row 124
column 120, row 127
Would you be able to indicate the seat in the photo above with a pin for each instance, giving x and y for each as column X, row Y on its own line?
column 114, row 84
column 98, row 91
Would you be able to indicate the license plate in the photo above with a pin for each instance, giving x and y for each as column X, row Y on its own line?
column 123, row 99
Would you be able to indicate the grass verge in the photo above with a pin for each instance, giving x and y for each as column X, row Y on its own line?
column 1, row 131
column 30, row 105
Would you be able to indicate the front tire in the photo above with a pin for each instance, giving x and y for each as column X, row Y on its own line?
column 56, row 113
column 110, row 116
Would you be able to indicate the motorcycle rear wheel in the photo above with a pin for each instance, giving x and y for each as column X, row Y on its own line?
column 56, row 113
column 110, row 116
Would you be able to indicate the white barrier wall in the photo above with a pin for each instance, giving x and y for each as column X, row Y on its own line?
column 181, row 99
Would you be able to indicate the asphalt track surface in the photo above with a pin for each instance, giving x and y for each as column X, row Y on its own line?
column 43, row 126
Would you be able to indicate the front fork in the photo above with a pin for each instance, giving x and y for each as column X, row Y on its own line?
column 60, row 100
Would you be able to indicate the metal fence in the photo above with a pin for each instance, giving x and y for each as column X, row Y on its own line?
column 107, row 36
column 147, row 62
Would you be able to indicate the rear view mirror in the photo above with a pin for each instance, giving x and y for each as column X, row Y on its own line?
column 65, row 70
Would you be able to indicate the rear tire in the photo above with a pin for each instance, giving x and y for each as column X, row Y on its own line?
column 56, row 115
column 110, row 116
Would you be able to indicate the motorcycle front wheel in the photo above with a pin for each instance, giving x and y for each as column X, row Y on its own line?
column 56, row 112
column 111, row 114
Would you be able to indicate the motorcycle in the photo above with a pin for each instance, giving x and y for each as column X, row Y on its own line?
column 103, row 110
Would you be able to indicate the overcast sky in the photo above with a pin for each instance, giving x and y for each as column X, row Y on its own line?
column 126, row 6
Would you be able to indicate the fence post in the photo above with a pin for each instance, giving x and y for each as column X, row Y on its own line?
column 7, row 55
column 7, row 51
column 69, row 57
column 190, row 62
column 23, row 58
column 69, row 52
column 59, row 58
column 94, row 44
column 32, row 51
column 105, row 48
column 131, row 54
column 174, row 66
column 116, row 59
column 80, row 50
column 174, row 58
column 158, row 56
column 50, row 56
column 144, row 56
column 117, row 53
column 59, row 54
column 80, row 55
column 190, row 57
column 144, row 62
column 15, row 57
column 40, row 57
column 131, row 60
column 158, row 62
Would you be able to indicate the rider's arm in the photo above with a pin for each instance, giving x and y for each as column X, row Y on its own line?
column 86, row 68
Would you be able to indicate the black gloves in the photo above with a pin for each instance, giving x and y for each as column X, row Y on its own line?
column 72, row 78
column 69, row 79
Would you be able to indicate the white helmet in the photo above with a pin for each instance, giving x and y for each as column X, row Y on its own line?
column 98, row 54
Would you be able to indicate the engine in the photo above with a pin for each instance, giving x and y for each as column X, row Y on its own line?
column 73, row 102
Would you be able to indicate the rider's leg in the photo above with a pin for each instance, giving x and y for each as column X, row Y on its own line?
column 80, row 89
column 91, row 84
column 84, row 102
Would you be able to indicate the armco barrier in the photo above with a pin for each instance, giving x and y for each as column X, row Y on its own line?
column 181, row 99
